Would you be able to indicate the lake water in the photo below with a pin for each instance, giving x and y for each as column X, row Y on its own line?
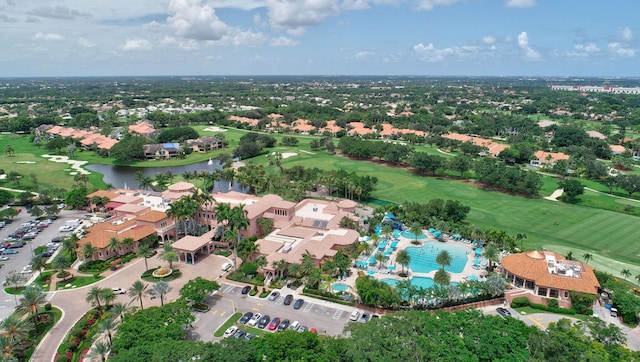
column 124, row 176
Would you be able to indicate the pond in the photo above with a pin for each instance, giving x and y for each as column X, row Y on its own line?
column 124, row 176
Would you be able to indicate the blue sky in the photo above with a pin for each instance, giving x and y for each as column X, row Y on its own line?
column 320, row 37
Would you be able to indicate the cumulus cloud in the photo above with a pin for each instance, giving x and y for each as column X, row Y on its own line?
column 295, row 14
column 85, row 42
column 620, row 50
column 48, row 37
column 58, row 12
column 583, row 50
column 489, row 40
column 283, row 41
column 431, row 4
column 193, row 20
column 523, row 43
column 626, row 34
column 136, row 44
column 430, row 53
column 520, row 3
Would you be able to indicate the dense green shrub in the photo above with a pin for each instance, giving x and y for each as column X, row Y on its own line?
column 519, row 302
column 553, row 303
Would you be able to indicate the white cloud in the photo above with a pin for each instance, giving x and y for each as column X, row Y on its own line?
column 627, row 34
column 363, row 54
column 136, row 44
column 430, row 53
column 489, row 40
column 520, row 3
column 58, row 12
column 523, row 43
column 193, row 20
column 294, row 14
column 48, row 37
column 86, row 43
column 583, row 50
column 431, row 4
column 283, row 41
column 621, row 50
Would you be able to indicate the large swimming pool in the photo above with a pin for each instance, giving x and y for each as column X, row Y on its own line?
column 422, row 282
column 423, row 258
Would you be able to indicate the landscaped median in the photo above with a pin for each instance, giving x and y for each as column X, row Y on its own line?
column 229, row 322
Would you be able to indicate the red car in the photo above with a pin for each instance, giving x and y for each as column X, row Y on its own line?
column 274, row 324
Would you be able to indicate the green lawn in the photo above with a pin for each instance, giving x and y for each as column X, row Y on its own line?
column 229, row 322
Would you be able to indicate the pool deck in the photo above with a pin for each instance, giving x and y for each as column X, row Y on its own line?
column 403, row 242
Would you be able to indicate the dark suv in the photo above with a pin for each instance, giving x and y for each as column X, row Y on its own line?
column 288, row 299
column 262, row 323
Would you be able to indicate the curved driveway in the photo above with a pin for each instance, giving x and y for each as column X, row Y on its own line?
column 74, row 306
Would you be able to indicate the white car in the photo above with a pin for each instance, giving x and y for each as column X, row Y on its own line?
column 254, row 320
column 65, row 228
column 26, row 270
column 230, row 331
column 354, row 315
column 119, row 291
column 4, row 258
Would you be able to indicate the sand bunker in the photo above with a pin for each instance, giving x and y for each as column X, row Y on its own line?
column 76, row 166
column 214, row 129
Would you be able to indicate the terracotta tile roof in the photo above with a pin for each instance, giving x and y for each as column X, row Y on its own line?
column 552, row 156
column 152, row 216
column 617, row 148
column 100, row 234
column 103, row 193
column 533, row 266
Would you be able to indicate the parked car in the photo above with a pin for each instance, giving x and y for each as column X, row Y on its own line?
column 29, row 236
column 9, row 252
column 230, row 331
column 364, row 318
column 65, row 228
column 274, row 324
column 503, row 312
column 354, row 315
column 119, row 291
column 249, row 336
column 4, row 258
column 254, row 320
column 294, row 326
column 57, row 239
column 298, row 303
column 46, row 253
column 26, row 270
column 240, row 334
column 264, row 321
column 246, row 290
column 303, row 329
column 17, row 244
column 274, row 295
column 288, row 299
column 2, row 224
column 246, row 318
column 283, row 325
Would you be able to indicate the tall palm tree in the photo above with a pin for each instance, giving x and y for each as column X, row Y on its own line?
column 237, row 221
column 128, row 244
column 39, row 263
column 176, row 212
column 32, row 299
column 169, row 254
column 107, row 325
column 119, row 310
column 146, row 252
column 441, row 277
column 308, row 265
column 100, row 350
column 7, row 349
column 587, row 257
column 94, row 296
column 416, row 229
column 88, row 251
column 279, row 266
column 223, row 212
column 380, row 258
column 492, row 254
column 138, row 291
column 403, row 258
column 160, row 290
column 625, row 273
column 114, row 245
column 61, row 263
column 444, row 259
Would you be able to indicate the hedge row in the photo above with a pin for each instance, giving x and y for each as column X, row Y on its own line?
column 524, row 302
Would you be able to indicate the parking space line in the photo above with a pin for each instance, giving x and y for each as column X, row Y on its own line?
column 214, row 312
column 279, row 301
column 337, row 314
column 308, row 307
column 222, row 314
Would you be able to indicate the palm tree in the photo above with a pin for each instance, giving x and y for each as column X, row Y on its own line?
column 223, row 211
column 169, row 254
column 61, row 263
column 416, row 229
column 160, row 290
column 88, row 251
column 15, row 328
column 106, row 326
column 307, row 266
column 114, row 245
column 32, row 299
column 39, row 262
column 128, row 244
column 138, row 291
column 146, row 252
column 380, row 258
column 492, row 254
column 403, row 258
column 625, row 273
column 9, row 150
column 176, row 212
column 441, row 277
column 387, row 230
column 100, row 350
column 279, row 266
column 107, row 295
column 444, row 259
column 119, row 310
column 587, row 257
column 237, row 221
column 94, row 296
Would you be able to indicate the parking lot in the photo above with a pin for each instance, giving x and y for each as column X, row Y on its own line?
column 325, row 317
column 24, row 254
